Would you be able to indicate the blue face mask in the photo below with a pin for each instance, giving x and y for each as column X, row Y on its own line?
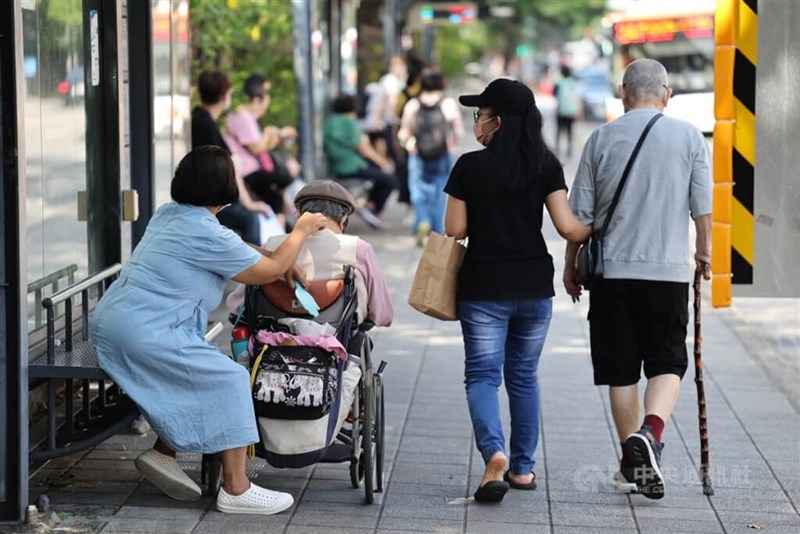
column 305, row 299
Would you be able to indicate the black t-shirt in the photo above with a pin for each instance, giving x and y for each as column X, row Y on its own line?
column 507, row 257
column 205, row 130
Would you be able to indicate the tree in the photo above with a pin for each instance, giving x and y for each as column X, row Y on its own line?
column 244, row 37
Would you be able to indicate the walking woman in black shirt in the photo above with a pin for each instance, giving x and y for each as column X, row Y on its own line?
column 496, row 198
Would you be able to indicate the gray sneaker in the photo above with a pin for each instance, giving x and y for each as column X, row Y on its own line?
column 645, row 454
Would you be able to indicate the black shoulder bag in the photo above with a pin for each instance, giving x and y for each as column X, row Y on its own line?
column 590, row 255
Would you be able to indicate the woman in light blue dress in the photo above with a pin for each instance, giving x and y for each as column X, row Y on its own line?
column 148, row 331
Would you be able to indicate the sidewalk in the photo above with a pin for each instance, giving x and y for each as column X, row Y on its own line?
column 433, row 467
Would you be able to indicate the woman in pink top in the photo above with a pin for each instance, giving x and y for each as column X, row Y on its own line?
column 263, row 175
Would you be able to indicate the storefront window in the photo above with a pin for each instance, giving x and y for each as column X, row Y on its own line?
column 55, row 146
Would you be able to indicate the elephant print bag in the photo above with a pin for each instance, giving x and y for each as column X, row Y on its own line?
column 295, row 382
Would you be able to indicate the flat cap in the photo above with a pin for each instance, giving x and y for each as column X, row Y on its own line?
column 327, row 190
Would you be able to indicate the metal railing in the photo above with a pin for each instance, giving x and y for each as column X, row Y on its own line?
column 53, row 279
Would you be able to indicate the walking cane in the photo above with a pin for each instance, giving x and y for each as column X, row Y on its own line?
column 701, row 390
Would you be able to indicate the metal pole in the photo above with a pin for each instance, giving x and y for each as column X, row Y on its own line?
column 301, row 14
column 701, row 390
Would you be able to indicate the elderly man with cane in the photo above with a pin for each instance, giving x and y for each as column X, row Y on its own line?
column 639, row 179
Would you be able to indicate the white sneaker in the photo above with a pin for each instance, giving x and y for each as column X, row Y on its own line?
column 256, row 500
column 165, row 473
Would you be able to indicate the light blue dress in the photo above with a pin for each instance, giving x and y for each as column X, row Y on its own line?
column 148, row 331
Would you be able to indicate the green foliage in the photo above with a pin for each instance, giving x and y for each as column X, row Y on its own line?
column 459, row 45
column 537, row 25
column 244, row 37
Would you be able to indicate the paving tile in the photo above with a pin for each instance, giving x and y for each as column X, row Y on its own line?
column 299, row 529
column 87, row 497
column 449, row 492
column 154, row 512
column 689, row 514
column 421, row 525
column 137, row 526
column 482, row 527
column 243, row 525
column 336, row 518
column 768, row 520
column 560, row 529
column 677, row 524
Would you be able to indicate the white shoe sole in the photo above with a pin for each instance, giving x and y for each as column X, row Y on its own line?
column 652, row 485
column 167, row 482
column 226, row 509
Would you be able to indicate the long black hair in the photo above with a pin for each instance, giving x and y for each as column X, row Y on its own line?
column 521, row 148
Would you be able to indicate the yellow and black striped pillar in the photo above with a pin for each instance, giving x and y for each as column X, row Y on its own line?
column 735, row 60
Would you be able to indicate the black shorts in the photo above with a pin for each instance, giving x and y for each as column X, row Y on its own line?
column 635, row 323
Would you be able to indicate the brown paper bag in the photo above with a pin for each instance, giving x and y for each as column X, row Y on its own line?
column 433, row 291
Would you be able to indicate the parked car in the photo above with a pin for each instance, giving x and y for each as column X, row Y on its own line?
column 594, row 88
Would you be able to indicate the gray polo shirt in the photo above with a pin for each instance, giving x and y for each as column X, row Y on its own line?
column 648, row 237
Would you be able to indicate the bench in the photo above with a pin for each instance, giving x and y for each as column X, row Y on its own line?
column 105, row 410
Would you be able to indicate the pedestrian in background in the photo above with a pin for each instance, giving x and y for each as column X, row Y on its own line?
column 568, row 107
column 430, row 131
column 638, row 313
column 505, row 286
column 411, row 90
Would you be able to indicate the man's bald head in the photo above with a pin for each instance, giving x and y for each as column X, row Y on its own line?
column 645, row 80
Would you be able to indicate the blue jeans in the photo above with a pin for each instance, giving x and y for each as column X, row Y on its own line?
column 426, row 181
column 504, row 337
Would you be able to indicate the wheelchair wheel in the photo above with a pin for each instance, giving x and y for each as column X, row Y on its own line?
column 211, row 473
column 356, row 472
column 380, row 430
column 367, row 445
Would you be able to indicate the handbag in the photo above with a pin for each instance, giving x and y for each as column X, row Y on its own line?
column 590, row 255
column 433, row 291
column 295, row 382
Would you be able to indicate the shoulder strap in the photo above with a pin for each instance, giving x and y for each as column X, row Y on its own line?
column 626, row 172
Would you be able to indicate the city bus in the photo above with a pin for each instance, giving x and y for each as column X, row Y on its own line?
column 679, row 34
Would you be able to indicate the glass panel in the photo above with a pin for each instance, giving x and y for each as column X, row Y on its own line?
column 55, row 147
column 171, row 81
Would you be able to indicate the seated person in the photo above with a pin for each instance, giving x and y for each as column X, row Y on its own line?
column 214, row 89
column 324, row 255
column 265, row 176
column 350, row 155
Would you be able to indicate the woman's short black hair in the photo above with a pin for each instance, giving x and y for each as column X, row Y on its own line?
column 254, row 86
column 344, row 103
column 205, row 177
column 432, row 80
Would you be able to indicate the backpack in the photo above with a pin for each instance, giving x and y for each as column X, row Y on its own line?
column 430, row 131
column 568, row 98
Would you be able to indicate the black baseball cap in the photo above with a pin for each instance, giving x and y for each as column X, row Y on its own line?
column 504, row 95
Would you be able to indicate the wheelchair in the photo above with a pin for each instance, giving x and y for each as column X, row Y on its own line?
column 360, row 439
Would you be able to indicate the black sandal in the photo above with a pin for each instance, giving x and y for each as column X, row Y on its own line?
column 492, row 491
column 529, row 486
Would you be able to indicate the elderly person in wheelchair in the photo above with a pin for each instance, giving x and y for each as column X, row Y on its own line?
column 324, row 255
column 342, row 274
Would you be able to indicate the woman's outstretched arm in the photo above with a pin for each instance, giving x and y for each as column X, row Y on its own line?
column 567, row 225
column 269, row 269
